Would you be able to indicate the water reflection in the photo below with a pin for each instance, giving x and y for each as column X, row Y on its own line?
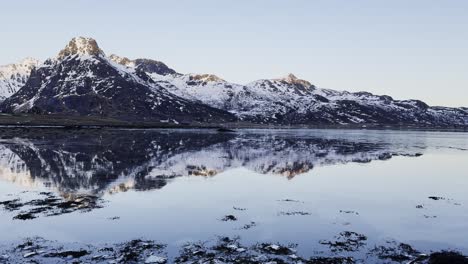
column 101, row 161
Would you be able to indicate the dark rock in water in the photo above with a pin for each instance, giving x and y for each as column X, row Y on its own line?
column 135, row 250
column 276, row 249
column 346, row 241
column 290, row 200
column 11, row 205
column 25, row 216
column 349, row 212
column 75, row 127
column 222, row 129
column 447, row 257
column 223, row 250
column 330, row 260
column 229, row 218
column 4, row 258
column 395, row 252
column 67, row 254
column 293, row 213
column 51, row 205
column 436, row 198
column 249, row 225
column 430, row 216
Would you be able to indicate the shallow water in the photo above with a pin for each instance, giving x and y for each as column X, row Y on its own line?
column 287, row 186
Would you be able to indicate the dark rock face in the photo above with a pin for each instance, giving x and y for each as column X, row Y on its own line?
column 152, row 66
column 91, row 85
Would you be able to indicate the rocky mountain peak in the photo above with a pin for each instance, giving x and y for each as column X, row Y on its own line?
column 81, row 46
column 292, row 79
column 121, row 60
column 206, row 78
column 146, row 65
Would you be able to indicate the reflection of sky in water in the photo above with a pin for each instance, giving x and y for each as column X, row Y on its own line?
column 383, row 192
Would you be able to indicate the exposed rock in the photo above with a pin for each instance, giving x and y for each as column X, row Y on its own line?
column 81, row 46
column 229, row 218
column 346, row 241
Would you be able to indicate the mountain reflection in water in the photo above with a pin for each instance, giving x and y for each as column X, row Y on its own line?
column 108, row 161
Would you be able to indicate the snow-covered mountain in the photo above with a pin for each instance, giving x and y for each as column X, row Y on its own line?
column 82, row 80
column 290, row 100
column 14, row 76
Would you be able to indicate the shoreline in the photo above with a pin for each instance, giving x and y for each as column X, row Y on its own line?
column 8, row 121
column 222, row 249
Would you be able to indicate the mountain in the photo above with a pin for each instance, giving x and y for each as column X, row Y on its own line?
column 14, row 76
column 290, row 100
column 83, row 81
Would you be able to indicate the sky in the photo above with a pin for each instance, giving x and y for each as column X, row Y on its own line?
column 409, row 49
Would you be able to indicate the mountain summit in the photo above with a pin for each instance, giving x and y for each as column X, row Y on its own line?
column 81, row 46
column 292, row 79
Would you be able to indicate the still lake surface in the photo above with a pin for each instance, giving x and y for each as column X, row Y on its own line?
column 286, row 186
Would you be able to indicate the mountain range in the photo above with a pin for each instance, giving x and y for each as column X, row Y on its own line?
column 83, row 81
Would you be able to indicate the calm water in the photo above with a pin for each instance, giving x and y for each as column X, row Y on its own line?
column 296, row 186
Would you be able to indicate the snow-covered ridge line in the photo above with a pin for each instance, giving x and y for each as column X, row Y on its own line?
column 14, row 76
column 83, row 80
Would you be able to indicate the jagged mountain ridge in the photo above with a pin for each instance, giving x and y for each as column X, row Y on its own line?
column 14, row 76
column 291, row 100
column 82, row 80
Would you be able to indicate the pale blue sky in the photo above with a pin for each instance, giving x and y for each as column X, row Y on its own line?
column 403, row 48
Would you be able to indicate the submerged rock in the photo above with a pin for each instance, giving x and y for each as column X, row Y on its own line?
column 349, row 212
column 225, row 130
column 395, row 252
column 293, row 213
column 48, row 204
column 229, row 218
column 436, row 198
column 447, row 257
column 223, row 250
column 346, row 241
column 67, row 254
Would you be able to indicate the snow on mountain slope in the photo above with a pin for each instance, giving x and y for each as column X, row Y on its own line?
column 14, row 76
column 81, row 80
column 290, row 100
